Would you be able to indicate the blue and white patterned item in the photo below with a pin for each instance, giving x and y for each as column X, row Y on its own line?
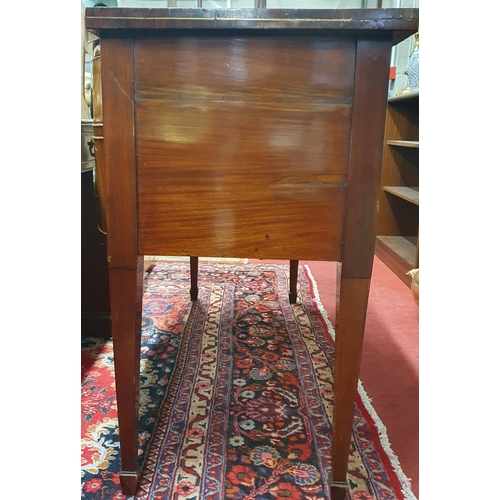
column 413, row 71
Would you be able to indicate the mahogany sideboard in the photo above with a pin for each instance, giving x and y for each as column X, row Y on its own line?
column 242, row 133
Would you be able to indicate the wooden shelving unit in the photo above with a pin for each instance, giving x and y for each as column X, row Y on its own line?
column 398, row 217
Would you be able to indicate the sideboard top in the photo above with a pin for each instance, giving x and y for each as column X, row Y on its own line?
column 400, row 23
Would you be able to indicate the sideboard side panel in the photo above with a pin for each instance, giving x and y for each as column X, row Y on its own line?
column 243, row 144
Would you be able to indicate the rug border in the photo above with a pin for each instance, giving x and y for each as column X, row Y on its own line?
column 373, row 420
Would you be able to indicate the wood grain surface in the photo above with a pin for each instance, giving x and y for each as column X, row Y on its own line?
column 396, row 23
column 244, row 141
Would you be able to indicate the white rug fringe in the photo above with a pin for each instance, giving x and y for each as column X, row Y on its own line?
column 316, row 299
column 382, row 431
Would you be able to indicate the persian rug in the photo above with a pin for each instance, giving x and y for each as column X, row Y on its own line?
column 236, row 395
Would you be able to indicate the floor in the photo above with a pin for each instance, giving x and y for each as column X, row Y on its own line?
column 390, row 361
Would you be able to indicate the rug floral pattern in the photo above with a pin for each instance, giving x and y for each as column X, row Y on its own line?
column 235, row 398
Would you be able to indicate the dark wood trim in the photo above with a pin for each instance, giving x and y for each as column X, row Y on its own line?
column 193, row 266
column 398, row 23
column 338, row 280
column 294, row 269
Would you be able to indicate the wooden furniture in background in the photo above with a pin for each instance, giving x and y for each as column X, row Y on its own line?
column 95, row 300
column 95, row 307
column 243, row 133
column 397, row 225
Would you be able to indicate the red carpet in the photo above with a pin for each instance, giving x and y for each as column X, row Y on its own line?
column 261, row 455
column 389, row 367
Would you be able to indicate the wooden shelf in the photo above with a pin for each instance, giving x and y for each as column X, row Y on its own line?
column 404, row 97
column 399, row 254
column 404, row 246
column 404, row 144
column 406, row 193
